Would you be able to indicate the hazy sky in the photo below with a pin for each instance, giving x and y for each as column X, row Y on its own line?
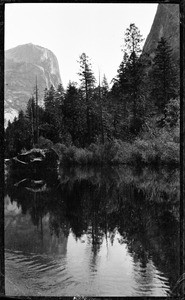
column 68, row 30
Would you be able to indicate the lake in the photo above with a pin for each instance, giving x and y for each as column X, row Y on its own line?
column 109, row 231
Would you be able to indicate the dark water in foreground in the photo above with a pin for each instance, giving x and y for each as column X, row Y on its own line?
column 92, row 232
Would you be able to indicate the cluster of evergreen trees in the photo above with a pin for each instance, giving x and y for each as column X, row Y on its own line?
column 94, row 113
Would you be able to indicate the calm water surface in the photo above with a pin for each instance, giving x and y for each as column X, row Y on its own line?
column 92, row 232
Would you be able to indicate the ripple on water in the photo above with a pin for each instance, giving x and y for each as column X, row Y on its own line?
column 47, row 275
column 149, row 281
column 38, row 273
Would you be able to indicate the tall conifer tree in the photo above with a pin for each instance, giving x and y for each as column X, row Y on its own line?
column 164, row 78
column 87, row 86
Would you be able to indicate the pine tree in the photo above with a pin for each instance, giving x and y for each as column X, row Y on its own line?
column 105, row 110
column 104, row 86
column 51, row 129
column 126, row 88
column 60, row 89
column 20, row 136
column 74, row 111
column 86, row 74
column 31, row 115
column 122, row 76
column 101, row 106
column 133, row 40
column 87, row 86
column 49, row 100
column 59, row 97
column 164, row 79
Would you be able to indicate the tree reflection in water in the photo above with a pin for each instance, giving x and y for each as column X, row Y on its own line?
column 141, row 205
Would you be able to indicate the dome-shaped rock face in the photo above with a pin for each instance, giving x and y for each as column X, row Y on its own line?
column 23, row 64
column 166, row 24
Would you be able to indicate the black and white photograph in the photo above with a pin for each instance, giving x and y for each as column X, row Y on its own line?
column 92, row 150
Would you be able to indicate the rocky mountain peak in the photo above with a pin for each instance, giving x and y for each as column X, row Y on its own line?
column 23, row 64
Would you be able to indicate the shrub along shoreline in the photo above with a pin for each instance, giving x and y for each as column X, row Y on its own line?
column 155, row 145
column 141, row 152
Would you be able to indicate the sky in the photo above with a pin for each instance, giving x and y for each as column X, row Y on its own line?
column 69, row 29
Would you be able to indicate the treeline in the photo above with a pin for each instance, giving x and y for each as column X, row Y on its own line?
column 143, row 99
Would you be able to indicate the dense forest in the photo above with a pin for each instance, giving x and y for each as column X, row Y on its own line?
column 137, row 119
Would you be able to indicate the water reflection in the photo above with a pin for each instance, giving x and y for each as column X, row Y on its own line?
column 99, row 232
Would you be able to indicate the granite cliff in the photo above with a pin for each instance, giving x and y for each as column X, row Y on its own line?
column 165, row 24
column 22, row 65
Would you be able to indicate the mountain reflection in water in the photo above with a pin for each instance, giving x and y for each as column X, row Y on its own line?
column 92, row 232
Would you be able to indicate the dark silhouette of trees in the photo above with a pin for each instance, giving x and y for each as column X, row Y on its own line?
column 87, row 86
column 17, row 135
column 127, row 85
column 144, row 89
column 164, row 76
column 132, row 73
column 74, row 114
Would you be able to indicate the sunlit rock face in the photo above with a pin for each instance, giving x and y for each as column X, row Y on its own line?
column 165, row 24
column 22, row 65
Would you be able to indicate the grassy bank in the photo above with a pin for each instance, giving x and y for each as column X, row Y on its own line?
column 156, row 150
column 155, row 145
